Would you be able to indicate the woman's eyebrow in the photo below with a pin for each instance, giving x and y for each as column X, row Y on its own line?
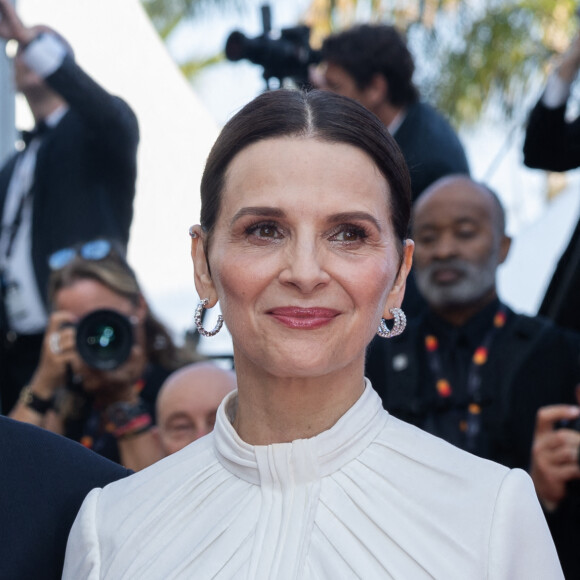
column 349, row 216
column 261, row 211
column 274, row 212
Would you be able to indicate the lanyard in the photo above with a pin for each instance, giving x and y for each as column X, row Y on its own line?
column 19, row 191
column 470, row 425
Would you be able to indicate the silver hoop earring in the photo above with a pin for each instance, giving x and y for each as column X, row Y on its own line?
column 398, row 326
column 197, row 319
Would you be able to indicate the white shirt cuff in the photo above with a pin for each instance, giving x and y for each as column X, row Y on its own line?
column 556, row 93
column 44, row 54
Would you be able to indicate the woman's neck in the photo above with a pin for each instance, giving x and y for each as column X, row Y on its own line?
column 274, row 409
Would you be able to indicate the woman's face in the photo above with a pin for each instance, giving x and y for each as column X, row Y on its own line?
column 303, row 257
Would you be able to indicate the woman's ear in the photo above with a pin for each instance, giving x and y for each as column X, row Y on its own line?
column 201, row 272
column 395, row 297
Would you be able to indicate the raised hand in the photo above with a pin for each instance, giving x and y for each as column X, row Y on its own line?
column 11, row 27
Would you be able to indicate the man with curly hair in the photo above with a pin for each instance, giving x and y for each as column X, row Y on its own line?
column 372, row 64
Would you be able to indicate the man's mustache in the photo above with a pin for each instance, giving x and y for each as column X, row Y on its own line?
column 461, row 266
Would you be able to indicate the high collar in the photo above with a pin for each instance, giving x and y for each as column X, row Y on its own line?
column 303, row 460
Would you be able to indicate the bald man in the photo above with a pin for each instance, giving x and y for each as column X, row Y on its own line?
column 469, row 369
column 188, row 401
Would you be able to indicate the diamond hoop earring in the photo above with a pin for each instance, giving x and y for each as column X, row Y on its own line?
column 197, row 319
column 398, row 326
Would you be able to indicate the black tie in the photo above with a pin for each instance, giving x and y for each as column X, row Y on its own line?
column 40, row 129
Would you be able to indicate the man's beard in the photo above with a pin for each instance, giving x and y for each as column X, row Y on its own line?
column 474, row 282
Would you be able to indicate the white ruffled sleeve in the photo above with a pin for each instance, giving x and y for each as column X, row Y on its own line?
column 520, row 543
column 83, row 557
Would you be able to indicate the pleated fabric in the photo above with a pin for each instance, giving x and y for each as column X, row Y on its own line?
column 372, row 497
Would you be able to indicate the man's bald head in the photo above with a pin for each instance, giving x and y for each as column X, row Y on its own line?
column 188, row 401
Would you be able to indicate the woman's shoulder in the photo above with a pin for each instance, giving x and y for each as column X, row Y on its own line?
column 418, row 463
column 431, row 454
column 414, row 491
column 419, row 504
column 165, row 478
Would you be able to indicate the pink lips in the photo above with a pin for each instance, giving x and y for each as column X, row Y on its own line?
column 303, row 318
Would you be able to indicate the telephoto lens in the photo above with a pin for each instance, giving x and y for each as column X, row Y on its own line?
column 104, row 339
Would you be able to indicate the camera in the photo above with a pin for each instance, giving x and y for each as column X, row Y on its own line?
column 104, row 339
column 286, row 57
column 573, row 424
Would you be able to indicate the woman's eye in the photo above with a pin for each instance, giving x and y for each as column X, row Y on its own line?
column 270, row 231
column 349, row 234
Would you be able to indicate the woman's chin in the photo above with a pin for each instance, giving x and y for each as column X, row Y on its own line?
column 306, row 367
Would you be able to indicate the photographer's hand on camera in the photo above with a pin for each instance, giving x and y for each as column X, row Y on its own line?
column 555, row 454
column 36, row 403
column 58, row 351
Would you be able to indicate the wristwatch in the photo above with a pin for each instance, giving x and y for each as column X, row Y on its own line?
column 34, row 402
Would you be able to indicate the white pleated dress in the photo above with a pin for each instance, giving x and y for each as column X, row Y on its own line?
column 373, row 497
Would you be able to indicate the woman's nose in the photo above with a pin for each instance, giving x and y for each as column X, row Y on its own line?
column 305, row 267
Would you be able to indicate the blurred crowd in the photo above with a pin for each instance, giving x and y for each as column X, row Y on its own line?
column 82, row 354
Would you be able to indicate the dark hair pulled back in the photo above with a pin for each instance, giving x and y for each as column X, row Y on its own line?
column 315, row 114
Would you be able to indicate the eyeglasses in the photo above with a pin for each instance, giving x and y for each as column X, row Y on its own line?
column 94, row 250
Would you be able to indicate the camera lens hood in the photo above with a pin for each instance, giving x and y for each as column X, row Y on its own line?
column 104, row 339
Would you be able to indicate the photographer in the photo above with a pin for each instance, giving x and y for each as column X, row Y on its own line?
column 110, row 410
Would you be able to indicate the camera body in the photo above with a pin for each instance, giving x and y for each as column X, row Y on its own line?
column 104, row 339
column 288, row 56
column 573, row 424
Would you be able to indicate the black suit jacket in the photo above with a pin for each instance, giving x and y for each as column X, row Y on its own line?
column 430, row 147
column 84, row 180
column 553, row 144
column 44, row 478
